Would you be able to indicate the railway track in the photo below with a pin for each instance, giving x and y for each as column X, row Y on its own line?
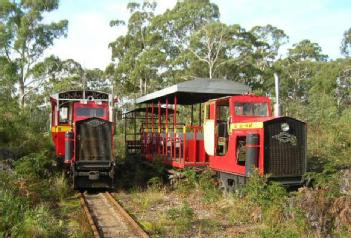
column 108, row 219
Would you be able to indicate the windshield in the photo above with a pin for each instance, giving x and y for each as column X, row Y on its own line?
column 251, row 109
column 90, row 112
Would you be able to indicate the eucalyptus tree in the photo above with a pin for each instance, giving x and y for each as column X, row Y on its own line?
column 270, row 40
column 54, row 75
column 209, row 44
column 176, row 27
column 136, row 55
column 299, row 68
column 225, row 50
column 306, row 50
column 343, row 85
column 346, row 43
column 24, row 37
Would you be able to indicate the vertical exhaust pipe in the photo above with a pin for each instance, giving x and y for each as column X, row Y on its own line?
column 277, row 108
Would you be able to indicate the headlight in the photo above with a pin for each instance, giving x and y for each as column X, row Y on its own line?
column 285, row 127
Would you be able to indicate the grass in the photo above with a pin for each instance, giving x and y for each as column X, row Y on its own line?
column 192, row 206
column 35, row 201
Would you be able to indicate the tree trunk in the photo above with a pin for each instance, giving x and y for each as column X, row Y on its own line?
column 141, row 86
column 21, row 93
column 210, row 70
column 145, row 86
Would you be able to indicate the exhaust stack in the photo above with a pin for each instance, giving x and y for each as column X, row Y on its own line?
column 277, row 108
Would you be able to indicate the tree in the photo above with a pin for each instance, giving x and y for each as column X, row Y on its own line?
column 346, row 43
column 209, row 44
column 24, row 37
column 228, row 51
column 343, row 87
column 136, row 55
column 306, row 50
column 55, row 75
column 271, row 39
column 176, row 27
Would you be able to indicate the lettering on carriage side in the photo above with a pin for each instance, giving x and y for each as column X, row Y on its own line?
column 60, row 128
column 246, row 125
column 285, row 137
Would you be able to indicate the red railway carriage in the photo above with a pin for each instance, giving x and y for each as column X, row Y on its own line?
column 180, row 143
column 82, row 130
column 238, row 133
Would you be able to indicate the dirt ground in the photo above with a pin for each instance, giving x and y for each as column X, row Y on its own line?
column 164, row 213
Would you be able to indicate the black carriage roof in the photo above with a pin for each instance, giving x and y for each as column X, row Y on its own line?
column 196, row 91
column 80, row 94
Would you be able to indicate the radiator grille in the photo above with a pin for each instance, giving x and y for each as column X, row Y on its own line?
column 285, row 152
column 94, row 140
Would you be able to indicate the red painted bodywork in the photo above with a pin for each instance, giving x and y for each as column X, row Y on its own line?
column 180, row 151
column 59, row 129
column 228, row 163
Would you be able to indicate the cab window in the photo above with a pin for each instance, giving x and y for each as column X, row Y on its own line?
column 251, row 109
column 63, row 114
column 90, row 112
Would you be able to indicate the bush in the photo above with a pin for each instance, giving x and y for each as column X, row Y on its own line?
column 36, row 165
column 38, row 222
column 259, row 191
column 185, row 181
column 61, row 186
column 208, row 187
column 182, row 217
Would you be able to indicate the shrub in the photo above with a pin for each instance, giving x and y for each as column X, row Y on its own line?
column 259, row 191
column 11, row 211
column 38, row 222
column 37, row 165
column 61, row 186
column 208, row 187
column 185, row 181
column 182, row 217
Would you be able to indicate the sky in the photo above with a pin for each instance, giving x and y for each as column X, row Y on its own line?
column 89, row 33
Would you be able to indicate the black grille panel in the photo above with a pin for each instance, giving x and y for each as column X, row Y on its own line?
column 285, row 152
column 94, row 140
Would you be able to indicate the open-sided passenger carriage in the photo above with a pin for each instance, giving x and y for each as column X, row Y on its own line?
column 238, row 134
column 179, row 143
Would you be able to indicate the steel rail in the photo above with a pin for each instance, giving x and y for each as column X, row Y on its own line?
column 92, row 224
column 133, row 225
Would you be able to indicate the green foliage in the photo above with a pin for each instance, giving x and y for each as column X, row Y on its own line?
column 182, row 217
column 24, row 38
column 307, row 50
column 346, row 43
column 259, row 191
column 210, row 191
column 38, row 222
column 61, row 186
column 35, row 165
column 185, row 181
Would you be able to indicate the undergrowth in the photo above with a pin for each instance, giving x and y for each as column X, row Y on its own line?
column 32, row 200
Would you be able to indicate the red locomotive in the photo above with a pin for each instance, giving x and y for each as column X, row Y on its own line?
column 238, row 133
column 82, row 130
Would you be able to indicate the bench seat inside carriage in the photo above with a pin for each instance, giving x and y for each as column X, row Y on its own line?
column 156, row 131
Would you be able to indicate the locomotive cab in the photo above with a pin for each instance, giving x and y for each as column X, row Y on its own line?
column 82, row 131
column 242, row 135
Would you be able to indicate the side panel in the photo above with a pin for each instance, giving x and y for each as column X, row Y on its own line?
column 209, row 130
column 58, row 136
column 229, row 163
